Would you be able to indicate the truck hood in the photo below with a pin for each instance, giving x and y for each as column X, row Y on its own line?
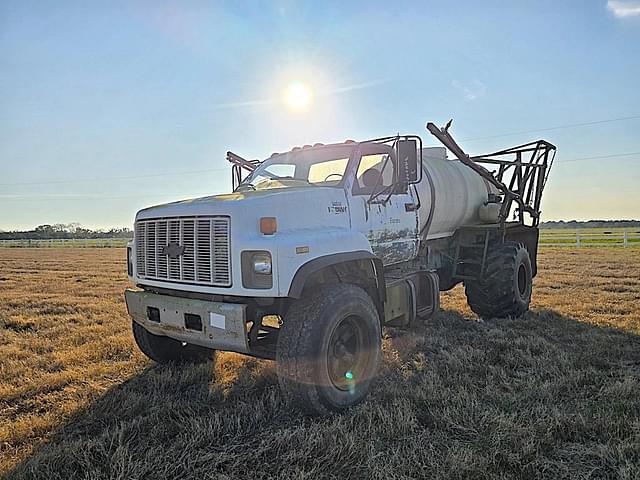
column 294, row 207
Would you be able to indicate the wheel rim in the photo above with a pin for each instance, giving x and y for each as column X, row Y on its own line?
column 522, row 280
column 348, row 353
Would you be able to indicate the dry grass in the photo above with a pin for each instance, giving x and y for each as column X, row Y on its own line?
column 555, row 395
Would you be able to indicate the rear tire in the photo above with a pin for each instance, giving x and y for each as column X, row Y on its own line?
column 505, row 289
column 329, row 349
column 165, row 350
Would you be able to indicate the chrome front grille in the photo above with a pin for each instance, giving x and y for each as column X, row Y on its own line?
column 184, row 249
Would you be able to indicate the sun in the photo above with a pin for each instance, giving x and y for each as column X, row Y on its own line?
column 298, row 96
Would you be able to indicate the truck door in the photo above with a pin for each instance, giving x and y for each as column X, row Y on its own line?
column 382, row 207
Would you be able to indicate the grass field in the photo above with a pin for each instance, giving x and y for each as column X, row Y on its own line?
column 553, row 395
column 66, row 243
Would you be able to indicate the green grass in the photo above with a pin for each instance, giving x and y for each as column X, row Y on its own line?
column 590, row 236
column 594, row 230
column 66, row 243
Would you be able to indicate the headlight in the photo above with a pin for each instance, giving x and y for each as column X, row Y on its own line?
column 257, row 269
column 261, row 263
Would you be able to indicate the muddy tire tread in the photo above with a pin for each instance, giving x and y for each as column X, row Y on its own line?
column 493, row 295
column 295, row 343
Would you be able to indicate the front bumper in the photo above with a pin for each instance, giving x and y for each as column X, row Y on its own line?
column 222, row 325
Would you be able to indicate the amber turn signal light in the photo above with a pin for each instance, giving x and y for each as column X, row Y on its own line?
column 268, row 225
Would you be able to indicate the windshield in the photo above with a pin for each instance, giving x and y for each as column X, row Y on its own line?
column 324, row 166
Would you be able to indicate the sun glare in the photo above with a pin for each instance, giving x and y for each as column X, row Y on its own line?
column 298, row 96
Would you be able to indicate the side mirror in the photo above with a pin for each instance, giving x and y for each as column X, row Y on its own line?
column 409, row 166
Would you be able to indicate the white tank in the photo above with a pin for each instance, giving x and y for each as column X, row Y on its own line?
column 457, row 197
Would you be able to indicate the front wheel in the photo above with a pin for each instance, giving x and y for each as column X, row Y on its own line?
column 329, row 349
column 164, row 349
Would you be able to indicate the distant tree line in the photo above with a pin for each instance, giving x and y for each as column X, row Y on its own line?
column 591, row 224
column 62, row 230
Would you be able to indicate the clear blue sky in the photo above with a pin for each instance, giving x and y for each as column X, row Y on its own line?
column 97, row 91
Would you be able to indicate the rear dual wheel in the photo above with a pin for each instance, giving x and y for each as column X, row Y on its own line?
column 329, row 349
column 505, row 288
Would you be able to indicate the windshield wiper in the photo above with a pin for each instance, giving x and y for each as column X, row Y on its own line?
column 289, row 177
column 272, row 177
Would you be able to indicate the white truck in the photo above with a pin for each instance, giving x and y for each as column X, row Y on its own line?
column 318, row 248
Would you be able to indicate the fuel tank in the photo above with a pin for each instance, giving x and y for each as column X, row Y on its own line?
column 451, row 195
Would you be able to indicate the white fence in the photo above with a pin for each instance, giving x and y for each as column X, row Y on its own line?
column 66, row 242
column 588, row 238
column 554, row 238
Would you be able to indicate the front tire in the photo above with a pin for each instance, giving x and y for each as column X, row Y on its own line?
column 329, row 349
column 505, row 289
column 165, row 350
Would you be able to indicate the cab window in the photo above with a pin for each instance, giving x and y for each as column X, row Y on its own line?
column 369, row 171
column 330, row 171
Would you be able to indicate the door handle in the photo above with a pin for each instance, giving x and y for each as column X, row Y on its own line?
column 410, row 207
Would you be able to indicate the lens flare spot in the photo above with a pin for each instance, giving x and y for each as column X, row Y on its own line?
column 348, row 375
